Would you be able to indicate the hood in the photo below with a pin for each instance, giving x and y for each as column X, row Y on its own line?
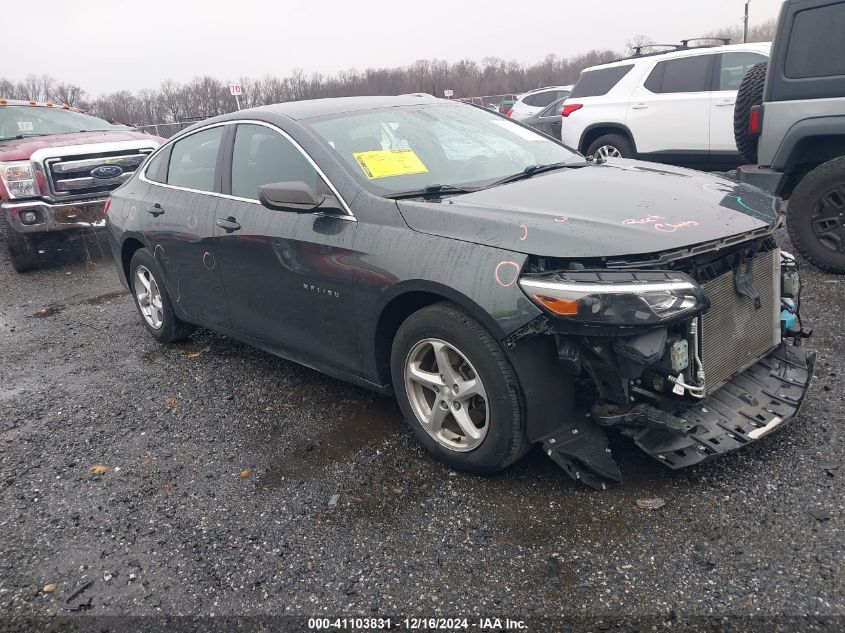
column 611, row 210
column 22, row 149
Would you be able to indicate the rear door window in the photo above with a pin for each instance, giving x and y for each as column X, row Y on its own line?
column 817, row 44
column 194, row 159
column 685, row 74
column 595, row 83
column 732, row 68
column 542, row 99
column 262, row 156
column 157, row 169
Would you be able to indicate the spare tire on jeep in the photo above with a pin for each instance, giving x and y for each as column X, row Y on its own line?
column 750, row 94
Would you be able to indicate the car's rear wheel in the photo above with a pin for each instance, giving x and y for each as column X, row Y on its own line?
column 457, row 390
column 611, row 146
column 153, row 302
column 750, row 94
column 816, row 216
column 22, row 249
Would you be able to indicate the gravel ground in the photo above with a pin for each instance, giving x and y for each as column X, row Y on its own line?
column 239, row 483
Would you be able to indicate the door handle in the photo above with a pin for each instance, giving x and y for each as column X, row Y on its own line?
column 228, row 224
column 155, row 210
column 725, row 103
column 639, row 106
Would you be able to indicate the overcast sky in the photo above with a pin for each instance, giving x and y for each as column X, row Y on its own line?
column 108, row 45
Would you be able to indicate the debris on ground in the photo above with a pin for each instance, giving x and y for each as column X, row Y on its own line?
column 334, row 499
column 49, row 587
column 198, row 353
column 650, row 504
column 72, row 604
column 170, row 401
column 820, row 514
column 246, row 472
column 553, row 569
column 99, row 469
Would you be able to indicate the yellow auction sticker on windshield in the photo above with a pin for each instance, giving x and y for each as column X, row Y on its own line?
column 384, row 163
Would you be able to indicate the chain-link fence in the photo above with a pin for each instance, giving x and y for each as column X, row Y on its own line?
column 166, row 130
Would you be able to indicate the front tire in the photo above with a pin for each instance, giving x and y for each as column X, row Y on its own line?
column 611, row 146
column 152, row 301
column 22, row 249
column 458, row 391
column 815, row 216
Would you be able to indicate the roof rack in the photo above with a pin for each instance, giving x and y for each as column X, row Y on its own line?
column 723, row 41
column 683, row 46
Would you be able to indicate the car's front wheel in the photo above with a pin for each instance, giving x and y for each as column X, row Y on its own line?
column 152, row 300
column 458, row 390
column 22, row 249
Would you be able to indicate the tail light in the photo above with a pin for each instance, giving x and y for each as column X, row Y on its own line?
column 106, row 206
column 755, row 120
column 570, row 108
column 510, row 112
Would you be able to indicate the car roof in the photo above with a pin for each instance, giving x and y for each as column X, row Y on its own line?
column 545, row 88
column 684, row 52
column 311, row 108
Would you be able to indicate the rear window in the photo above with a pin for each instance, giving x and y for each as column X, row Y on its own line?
column 595, row 83
column 816, row 44
column 686, row 74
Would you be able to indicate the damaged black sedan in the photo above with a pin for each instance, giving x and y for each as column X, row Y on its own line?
column 505, row 289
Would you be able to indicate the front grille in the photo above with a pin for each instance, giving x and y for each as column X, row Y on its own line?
column 77, row 176
column 733, row 333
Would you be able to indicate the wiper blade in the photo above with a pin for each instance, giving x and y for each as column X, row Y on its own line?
column 18, row 137
column 429, row 191
column 532, row 170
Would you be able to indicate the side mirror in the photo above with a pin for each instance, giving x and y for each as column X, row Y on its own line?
column 294, row 196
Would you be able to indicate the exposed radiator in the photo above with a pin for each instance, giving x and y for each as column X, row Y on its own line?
column 733, row 333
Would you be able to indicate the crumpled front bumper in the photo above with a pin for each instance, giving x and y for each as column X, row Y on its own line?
column 751, row 405
column 56, row 216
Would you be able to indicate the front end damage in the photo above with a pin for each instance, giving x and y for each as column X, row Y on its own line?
column 691, row 357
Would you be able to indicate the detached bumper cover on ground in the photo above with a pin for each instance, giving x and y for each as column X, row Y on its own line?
column 754, row 403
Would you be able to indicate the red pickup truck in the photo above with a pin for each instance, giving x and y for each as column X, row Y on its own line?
column 57, row 167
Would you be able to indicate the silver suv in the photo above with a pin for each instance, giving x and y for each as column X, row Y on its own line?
column 789, row 121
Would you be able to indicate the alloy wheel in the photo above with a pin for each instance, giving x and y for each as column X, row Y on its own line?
column 607, row 151
column 148, row 296
column 446, row 395
column 828, row 219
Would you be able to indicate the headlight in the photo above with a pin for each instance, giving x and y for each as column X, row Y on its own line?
column 19, row 179
column 616, row 298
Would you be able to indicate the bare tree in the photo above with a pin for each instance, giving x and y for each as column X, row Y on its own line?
column 70, row 94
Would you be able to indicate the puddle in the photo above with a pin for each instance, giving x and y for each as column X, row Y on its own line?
column 49, row 311
column 334, row 443
column 106, row 298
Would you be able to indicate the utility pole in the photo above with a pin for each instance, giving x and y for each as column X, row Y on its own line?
column 745, row 20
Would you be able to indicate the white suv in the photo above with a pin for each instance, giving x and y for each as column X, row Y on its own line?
column 534, row 101
column 672, row 107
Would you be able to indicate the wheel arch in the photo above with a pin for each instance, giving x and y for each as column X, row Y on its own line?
column 808, row 145
column 128, row 248
column 409, row 297
column 595, row 130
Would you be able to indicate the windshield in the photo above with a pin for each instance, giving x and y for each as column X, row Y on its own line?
column 22, row 121
column 396, row 150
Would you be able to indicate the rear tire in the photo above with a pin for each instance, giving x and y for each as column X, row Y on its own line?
column 750, row 94
column 611, row 146
column 816, row 216
column 146, row 282
column 473, row 354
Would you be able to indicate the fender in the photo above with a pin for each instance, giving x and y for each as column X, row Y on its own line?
column 829, row 135
column 619, row 127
